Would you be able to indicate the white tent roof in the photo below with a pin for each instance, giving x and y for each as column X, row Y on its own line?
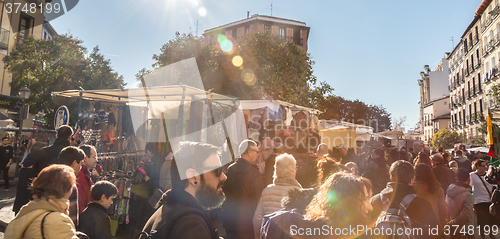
column 274, row 105
column 159, row 93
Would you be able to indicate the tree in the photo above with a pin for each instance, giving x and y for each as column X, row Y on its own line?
column 57, row 65
column 446, row 139
column 277, row 69
column 380, row 119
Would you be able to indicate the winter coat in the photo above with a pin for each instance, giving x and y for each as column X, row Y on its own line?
column 83, row 183
column 243, row 187
column 94, row 221
column 280, row 225
column 27, row 224
column 436, row 199
column 47, row 156
column 270, row 200
column 460, row 204
column 463, row 162
column 165, row 179
column 378, row 173
column 419, row 210
column 190, row 222
column 444, row 176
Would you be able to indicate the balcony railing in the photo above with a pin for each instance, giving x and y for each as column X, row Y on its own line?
column 4, row 38
column 478, row 64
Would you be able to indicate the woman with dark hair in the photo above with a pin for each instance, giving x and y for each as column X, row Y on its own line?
column 23, row 194
column 427, row 187
column 342, row 201
column 423, row 158
column 392, row 156
column 328, row 166
column 47, row 215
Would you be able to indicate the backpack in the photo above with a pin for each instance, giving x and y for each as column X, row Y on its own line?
column 395, row 218
column 166, row 226
column 492, row 175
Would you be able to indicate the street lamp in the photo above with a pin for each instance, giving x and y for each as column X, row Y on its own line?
column 24, row 94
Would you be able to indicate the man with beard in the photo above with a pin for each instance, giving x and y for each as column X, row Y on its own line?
column 243, row 188
column 197, row 180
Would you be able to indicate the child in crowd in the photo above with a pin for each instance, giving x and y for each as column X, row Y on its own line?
column 94, row 220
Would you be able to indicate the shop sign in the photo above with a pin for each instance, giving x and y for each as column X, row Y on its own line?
column 62, row 117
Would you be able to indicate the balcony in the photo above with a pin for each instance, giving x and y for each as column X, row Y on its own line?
column 478, row 64
column 4, row 38
column 467, row 71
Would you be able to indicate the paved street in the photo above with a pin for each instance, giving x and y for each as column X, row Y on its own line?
column 6, row 203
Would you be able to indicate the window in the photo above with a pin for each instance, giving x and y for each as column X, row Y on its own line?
column 475, row 110
column 301, row 39
column 479, row 83
column 470, row 112
column 481, row 106
column 234, row 33
column 267, row 28
column 24, row 27
column 282, row 33
column 247, row 30
column 473, row 86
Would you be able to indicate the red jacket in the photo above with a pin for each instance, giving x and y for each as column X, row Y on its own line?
column 84, row 183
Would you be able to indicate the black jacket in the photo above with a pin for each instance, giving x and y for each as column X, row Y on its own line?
column 190, row 222
column 378, row 173
column 243, row 187
column 46, row 156
column 94, row 221
column 419, row 211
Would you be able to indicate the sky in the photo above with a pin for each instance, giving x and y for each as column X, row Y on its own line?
column 373, row 51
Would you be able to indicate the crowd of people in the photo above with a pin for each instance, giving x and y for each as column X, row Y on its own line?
column 265, row 193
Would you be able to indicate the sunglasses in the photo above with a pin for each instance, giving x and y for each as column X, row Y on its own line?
column 217, row 170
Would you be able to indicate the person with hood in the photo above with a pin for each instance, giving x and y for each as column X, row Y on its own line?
column 377, row 172
column 294, row 206
column 419, row 210
column 284, row 181
column 243, row 188
column 197, row 180
column 462, row 161
column 47, row 215
column 460, row 201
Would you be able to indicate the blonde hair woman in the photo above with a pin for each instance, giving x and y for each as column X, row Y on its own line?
column 284, row 181
column 47, row 215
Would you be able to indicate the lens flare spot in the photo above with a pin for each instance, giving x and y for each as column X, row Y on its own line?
column 202, row 11
column 237, row 61
column 226, row 45
column 248, row 76
column 221, row 38
column 331, row 196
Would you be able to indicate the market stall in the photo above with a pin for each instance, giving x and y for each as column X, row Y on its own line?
column 293, row 125
column 119, row 122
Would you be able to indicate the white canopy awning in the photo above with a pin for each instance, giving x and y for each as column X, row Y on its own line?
column 274, row 105
column 159, row 93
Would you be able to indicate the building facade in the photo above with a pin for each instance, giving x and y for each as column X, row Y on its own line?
column 434, row 97
column 466, row 81
column 291, row 30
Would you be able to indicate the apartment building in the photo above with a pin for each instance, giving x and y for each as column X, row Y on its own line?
column 15, row 26
column 434, row 99
column 490, row 36
column 466, row 81
column 291, row 30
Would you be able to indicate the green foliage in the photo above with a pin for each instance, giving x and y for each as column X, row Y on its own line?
column 57, row 65
column 483, row 129
column 446, row 139
column 282, row 72
column 478, row 140
column 357, row 112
